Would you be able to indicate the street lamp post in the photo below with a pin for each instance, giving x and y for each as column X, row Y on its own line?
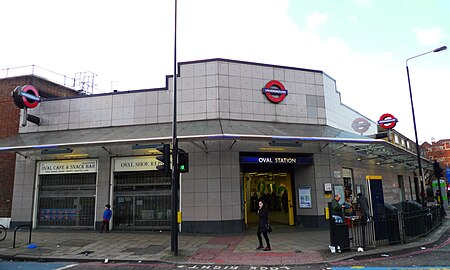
column 419, row 163
column 175, row 173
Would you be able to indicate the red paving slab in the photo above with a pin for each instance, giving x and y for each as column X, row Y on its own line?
column 227, row 254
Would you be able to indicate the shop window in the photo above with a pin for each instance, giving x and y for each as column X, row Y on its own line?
column 142, row 200
column 67, row 200
column 348, row 184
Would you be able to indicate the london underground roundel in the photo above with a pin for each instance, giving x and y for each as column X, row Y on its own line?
column 275, row 91
column 387, row 121
column 26, row 96
column 360, row 125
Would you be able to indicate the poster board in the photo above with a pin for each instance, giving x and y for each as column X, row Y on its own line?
column 304, row 195
column 339, row 189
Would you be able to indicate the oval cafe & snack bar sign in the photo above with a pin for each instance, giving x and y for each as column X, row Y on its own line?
column 275, row 91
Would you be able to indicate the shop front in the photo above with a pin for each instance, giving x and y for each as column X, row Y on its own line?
column 141, row 194
column 66, row 192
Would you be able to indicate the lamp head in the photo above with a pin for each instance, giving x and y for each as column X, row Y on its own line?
column 443, row 48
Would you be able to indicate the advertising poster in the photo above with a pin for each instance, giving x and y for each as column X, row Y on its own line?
column 304, row 194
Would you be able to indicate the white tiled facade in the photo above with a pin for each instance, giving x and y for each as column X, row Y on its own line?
column 209, row 90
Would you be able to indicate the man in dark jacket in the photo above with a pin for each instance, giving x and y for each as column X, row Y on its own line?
column 336, row 209
column 363, row 207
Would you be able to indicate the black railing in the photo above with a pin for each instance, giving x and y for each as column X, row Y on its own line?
column 389, row 228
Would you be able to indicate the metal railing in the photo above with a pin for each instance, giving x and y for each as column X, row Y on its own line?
column 18, row 228
column 392, row 228
column 82, row 81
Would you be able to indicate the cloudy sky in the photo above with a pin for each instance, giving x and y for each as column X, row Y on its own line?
column 362, row 44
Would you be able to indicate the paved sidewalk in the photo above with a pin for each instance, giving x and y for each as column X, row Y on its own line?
column 290, row 246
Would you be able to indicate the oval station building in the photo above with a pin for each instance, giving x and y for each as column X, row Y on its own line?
column 251, row 130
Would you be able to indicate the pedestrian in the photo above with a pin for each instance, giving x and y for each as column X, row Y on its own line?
column 363, row 207
column 337, row 209
column 348, row 207
column 263, row 226
column 284, row 201
column 254, row 202
column 107, row 214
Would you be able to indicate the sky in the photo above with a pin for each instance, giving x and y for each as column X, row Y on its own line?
column 362, row 44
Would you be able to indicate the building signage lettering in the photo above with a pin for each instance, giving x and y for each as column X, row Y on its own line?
column 147, row 163
column 277, row 160
column 275, row 91
column 67, row 166
column 230, row 267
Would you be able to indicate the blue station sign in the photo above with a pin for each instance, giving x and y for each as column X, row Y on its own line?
column 276, row 160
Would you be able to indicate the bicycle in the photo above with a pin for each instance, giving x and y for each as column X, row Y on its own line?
column 2, row 232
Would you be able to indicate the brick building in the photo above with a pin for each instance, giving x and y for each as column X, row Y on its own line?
column 439, row 151
column 9, row 126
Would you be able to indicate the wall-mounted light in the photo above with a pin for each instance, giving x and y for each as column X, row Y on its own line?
column 56, row 151
column 286, row 144
column 76, row 155
column 359, row 159
column 144, row 146
column 272, row 149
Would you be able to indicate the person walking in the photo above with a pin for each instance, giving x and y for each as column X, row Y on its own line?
column 107, row 214
column 263, row 226
column 284, row 201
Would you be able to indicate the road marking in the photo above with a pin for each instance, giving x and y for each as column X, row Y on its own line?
column 66, row 267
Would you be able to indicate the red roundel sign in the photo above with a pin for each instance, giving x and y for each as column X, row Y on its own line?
column 387, row 121
column 26, row 96
column 275, row 91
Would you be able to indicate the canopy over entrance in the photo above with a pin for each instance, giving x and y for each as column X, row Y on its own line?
column 341, row 142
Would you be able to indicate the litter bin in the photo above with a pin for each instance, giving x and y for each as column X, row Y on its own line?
column 339, row 236
column 393, row 229
column 414, row 218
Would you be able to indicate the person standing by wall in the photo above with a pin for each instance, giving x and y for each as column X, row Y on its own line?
column 348, row 207
column 107, row 214
column 337, row 209
column 363, row 207
column 263, row 226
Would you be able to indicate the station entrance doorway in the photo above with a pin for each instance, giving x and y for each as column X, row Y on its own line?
column 275, row 188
